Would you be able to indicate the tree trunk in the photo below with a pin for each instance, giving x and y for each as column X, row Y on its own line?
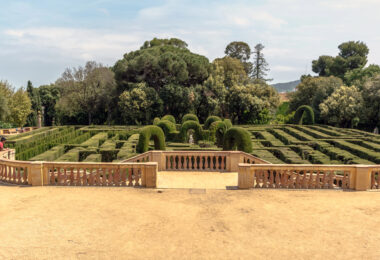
column 89, row 118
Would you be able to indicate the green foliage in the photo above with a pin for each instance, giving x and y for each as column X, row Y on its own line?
column 191, row 125
column 95, row 157
column 227, row 122
column 242, row 52
column 169, row 118
column 190, row 117
column 260, row 66
column 210, row 120
column 19, row 107
column 237, row 138
column 167, row 126
column 304, row 116
column 370, row 114
column 156, row 120
column 217, row 130
column 151, row 132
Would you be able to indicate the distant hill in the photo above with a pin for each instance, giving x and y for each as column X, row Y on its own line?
column 287, row 86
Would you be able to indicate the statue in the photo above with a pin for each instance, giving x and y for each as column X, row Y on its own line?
column 191, row 140
column 376, row 130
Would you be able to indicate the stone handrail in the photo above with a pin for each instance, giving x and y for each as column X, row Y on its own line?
column 222, row 161
column 308, row 176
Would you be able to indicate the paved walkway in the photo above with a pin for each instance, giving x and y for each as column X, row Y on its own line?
column 197, row 180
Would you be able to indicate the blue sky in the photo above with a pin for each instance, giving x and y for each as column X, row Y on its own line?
column 39, row 39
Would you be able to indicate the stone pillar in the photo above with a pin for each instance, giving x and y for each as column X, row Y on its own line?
column 151, row 175
column 234, row 158
column 35, row 176
column 39, row 119
column 159, row 158
column 244, row 176
column 363, row 178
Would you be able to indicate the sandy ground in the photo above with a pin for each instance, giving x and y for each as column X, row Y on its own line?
column 130, row 223
column 201, row 180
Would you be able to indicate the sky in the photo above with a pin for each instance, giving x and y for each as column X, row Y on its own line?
column 39, row 39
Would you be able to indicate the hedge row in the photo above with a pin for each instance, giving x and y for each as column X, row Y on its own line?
column 314, row 156
column 210, row 120
column 129, row 148
column 199, row 134
column 304, row 115
column 151, row 132
column 270, row 140
column 360, row 151
column 288, row 156
column 237, row 138
column 298, row 134
column 267, row 156
column 169, row 118
column 313, row 133
column 190, row 117
column 23, row 135
column 283, row 136
column 96, row 140
column 51, row 154
column 93, row 158
column 326, row 131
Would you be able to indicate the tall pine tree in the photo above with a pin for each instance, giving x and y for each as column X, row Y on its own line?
column 260, row 65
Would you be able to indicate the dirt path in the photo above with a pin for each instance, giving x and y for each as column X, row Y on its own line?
column 129, row 223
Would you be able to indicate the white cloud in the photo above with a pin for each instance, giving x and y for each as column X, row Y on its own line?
column 279, row 68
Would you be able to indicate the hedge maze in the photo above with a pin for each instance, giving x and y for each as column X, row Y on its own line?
column 292, row 144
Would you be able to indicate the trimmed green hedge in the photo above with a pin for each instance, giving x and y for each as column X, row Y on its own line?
column 227, row 122
column 210, row 120
column 95, row 157
column 198, row 133
column 190, row 117
column 169, row 118
column 147, row 133
column 304, row 115
column 237, row 138
column 156, row 120
column 218, row 129
column 166, row 126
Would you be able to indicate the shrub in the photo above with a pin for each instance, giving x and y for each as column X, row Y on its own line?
column 218, row 129
column 147, row 133
column 239, row 138
column 228, row 123
column 166, row 126
column 169, row 118
column 190, row 117
column 191, row 125
column 304, row 115
column 210, row 120
column 156, row 120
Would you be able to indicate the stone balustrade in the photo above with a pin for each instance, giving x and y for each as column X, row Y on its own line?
column 220, row 161
column 357, row 177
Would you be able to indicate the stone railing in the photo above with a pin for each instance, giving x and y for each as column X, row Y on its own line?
column 76, row 173
column 357, row 177
column 221, row 161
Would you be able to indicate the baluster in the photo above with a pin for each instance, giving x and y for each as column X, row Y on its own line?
column 110, row 177
column 304, row 180
column 71, row 176
column 297, row 179
column 317, row 181
column 64, row 177
column 265, row 180
column 283, row 178
column 130, row 177
column 311, row 180
column 6, row 173
column 52, row 176
column 257, row 177
column 18, row 174
column 373, row 180
column 85, row 177
column 271, row 179
column 118, row 177
column 79, row 178
column 277, row 179
column 1, row 172
column 331, row 179
column 14, row 174
column 291, row 180
column 324, row 179
column 123, row 177
column 91, row 177
column 137, row 176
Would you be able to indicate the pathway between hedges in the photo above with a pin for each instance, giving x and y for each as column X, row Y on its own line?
column 197, row 180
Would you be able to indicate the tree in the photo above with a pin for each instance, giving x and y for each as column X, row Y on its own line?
column 161, row 64
column 84, row 89
column 252, row 103
column 342, row 106
column 36, row 103
column 312, row 91
column 138, row 104
column 49, row 95
column 352, row 55
column 161, row 42
column 177, row 100
column 20, row 107
column 6, row 92
column 232, row 71
column 260, row 65
column 359, row 76
column 242, row 52
column 371, row 104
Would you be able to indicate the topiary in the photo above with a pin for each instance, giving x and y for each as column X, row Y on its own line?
column 169, row 118
column 227, row 122
column 156, row 120
column 167, row 127
column 191, row 125
column 239, row 138
column 147, row 133
column 304, row 115
column 210, row 120
column 190, row 117
column 218, row 130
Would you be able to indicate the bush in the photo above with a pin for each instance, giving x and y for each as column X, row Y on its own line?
column 210, row 120
column 156, row 120
column 166, row 126
column 191, row 125
column 169, row 118
column 239, row 138
column 304, row 115
column 228, row 123
column 147, row 133
column 190, row 117
column 218, row 129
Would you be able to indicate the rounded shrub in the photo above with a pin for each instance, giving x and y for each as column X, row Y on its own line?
column 156, row 120
column 218, row 129
column 210, row 120
column 304, row 115
column 166, row 126
column 146, row 134
column 169, row 118
column 227, row 122
column 190, row 117
column 237, row 138
column 191, row 125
